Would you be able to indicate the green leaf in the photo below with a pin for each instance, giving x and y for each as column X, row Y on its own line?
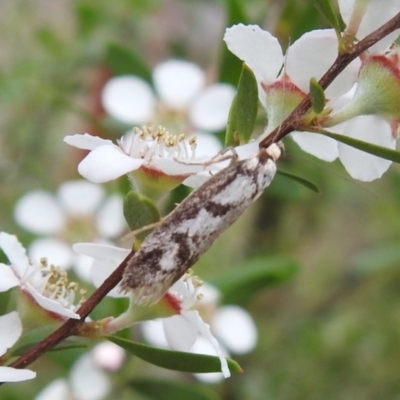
column 305, row 182
column 317, row 96
column 328, row 12
column 139, row 211
column 230, row 65
column 157, row 389
column 241, row 283
column 379, row 151
column 243, row 112
column 124, row 61
column 174, row 360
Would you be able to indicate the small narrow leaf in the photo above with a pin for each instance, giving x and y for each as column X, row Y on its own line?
column 66, row 345
column 379, row 151
column 328, row 12
column 139, row 211
column 305, row 182
column 157, row 389
column 242, row 282
column 124, row 61
column 243, row 112
column 174, row 360
column 317, row 96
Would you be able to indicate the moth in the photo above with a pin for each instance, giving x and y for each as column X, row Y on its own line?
column 192, row 227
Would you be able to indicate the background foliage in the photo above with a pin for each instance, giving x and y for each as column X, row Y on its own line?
column 330, row 331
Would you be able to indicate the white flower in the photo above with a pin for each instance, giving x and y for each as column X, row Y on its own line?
column 183, row 100
column 152, row 150
column 311, row 56
column 46, row 285
column 180, row 297
column 79, row 208
column 232, row 325
column 10, row 331
column 87, row 381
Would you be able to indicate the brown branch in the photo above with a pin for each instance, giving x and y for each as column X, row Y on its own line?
column 294, row 120
column 70, row 327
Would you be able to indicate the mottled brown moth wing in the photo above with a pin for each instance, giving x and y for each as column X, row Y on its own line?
column 188, row 231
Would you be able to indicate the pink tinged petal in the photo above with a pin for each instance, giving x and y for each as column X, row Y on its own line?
column 180, row 333
column 8, row 374
column 194, row 318
column 209, row 111
column 128, row 99
column 257, row 48
column 51, row 305
column 88, row 381
column 312, row 55
column 15, row 253
column 80, row 198
column 110, row 217
column 55, row 251
column 40, row 213
column 153, row 333
column 57, row 389
column 235, row 328
column 8, row 279
column 106, row 163
column 10, row 330
column 317, row 145
column 360, row 165
column 177, row 82
column 108, row 356
column 86, row 141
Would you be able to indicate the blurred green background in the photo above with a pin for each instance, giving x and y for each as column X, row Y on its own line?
column 331, row 331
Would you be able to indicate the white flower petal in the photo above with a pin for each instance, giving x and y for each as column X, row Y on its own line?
column 361, row 165
column 258, row 49
column 208, row 145
column 106, row 163
column 15, row 252
column 209, row 111
column 89, row 382
column 110, row 219
column 317, row 145
column 8, row 374
column 39, row 212
column 177, row 82
column 180, row 333
column 83, row 267
column 176, row 168
column 51, row 305
column 195, row 181
column 128, row 99
column 202, row 346
column 56, row 251
column 101, row 251
column 80, row 197
column 108, row 356
column 194, row 318
column 86, row 141
column 10, row 330
column 56, row 390
column 312, row 55
column 8, row 279
column 235, row 328
column 153, row 333
column 375, row 16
